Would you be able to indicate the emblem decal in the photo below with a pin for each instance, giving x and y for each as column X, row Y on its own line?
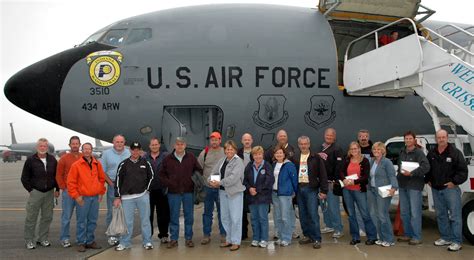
column 321, row 112
column 271, row 111
column 104, row 67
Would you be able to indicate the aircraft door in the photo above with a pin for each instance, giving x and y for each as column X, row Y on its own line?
column 171, row 128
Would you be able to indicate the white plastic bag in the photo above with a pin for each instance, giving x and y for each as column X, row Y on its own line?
column 117, row 226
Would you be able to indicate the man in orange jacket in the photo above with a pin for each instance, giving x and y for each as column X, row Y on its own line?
column 85, row 184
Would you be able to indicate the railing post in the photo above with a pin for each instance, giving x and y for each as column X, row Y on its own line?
column 376, row 40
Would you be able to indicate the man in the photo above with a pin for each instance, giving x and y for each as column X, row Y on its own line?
column 448, row 169
column 312, row 186
column 110, row 160
column 332, row 155
column 68, row 203
column 411, row 184
column 85, row 184
column 245, row 154
column 176, row 175
column 133, row 181
column 363, row 138
column 282, row 139
column 385, row 39
column 158, row 198
column 38, row 178
column 207, row 159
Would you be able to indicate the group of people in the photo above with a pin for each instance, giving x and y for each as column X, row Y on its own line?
column 250, row 179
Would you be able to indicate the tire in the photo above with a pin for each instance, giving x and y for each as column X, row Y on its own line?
column 468, row 221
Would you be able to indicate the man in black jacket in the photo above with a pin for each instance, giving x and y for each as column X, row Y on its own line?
column 448, row 169
column 39, row 179
column 282, row 139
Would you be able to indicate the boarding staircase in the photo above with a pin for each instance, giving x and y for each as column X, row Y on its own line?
column 440, row 72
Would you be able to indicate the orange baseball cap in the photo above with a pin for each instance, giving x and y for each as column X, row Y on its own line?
column 215, row 135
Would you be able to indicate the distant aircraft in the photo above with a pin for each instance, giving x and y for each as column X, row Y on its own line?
column 17, row 150
column 99, row 148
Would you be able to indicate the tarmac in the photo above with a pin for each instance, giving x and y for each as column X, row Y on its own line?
column 12, row 215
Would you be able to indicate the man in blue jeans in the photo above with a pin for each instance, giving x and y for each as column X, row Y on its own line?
column 448, row 169
column 208, row 158
column 176, row 175
column 312, row 186
column 110, row 160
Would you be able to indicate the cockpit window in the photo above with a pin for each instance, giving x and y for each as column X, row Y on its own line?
column 114, row 37
column 138, row 35
column 93, row 38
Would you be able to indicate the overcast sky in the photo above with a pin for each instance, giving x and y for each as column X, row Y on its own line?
column 33, row 30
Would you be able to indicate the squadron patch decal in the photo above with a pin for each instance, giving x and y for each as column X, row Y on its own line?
column 271, row 111
column 321, row 112
column 104, row 67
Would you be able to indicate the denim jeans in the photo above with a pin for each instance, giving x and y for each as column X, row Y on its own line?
column 283, row 216
column 353, row 198
column 141, row 203
column 447, row 204
column 87, row 216
column 212, row 197
column 175, row 200
column 332, row 216
column 259, row 213
column 378, row 208
column 410, row 212
column 308, row 203
column 68, row 205
column 110, row 204
column 231, row 216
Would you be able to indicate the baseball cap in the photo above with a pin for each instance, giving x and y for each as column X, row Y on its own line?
column 215, row 135
column 135, row 145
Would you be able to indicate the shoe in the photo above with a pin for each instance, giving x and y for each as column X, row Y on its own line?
column 317, row 244
column 337, row 234
column 120, row 247
column 205, row 240
column 295, row 235
column 66, row 243
column 225, row 244
column 354, row 242
column 370, row 242
column 403, row 239
column 254, row 243
column 234, row 247
column 113, row 241
column 263, row 244
column 387, row 244
column 327, row 230
column 44, row 243
column 81, row 248
column 414, row 242
column 362, row 233
column 454, row 247
column 30, row 245
column 442, row 242
column 148, row 246
column 93, row 245
column 284, row 243
column 305, row 240
column 165, row 240
column 189, row 243
column 172, row 243
column 278, row 242
column 379, row 242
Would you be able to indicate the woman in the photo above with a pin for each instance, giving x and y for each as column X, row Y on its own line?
column 284, row 189
column 228, row 177
column 382, row 173
column 259, row 182
column 354, row 175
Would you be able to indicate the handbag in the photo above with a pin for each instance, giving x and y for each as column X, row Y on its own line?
column 117, row 226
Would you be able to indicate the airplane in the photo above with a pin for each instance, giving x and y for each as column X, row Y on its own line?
column 255, row 68
column 99, row 148
column 17, row 150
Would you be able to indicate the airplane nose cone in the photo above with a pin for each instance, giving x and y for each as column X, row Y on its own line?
column 37, row 88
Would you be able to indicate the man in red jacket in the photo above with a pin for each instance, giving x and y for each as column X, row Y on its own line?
column 85, row 184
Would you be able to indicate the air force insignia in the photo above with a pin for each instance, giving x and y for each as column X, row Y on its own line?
column 271, row 111
column 104, row 67
column 321, row 112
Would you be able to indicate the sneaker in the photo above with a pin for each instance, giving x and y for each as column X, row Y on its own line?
column 93, row 245
column 354, row 242
column 327, row 230
column 120, row 247
column 414, row 242
column 81, row 248
column 454, row 247
column 295, row 235
column 113, row 241
column 362, row 233
column 317, row 244
column 66, row 243
column 172, row 243
column 44, row 243
column 305, row 240
column 189, row 243
column 278, row 242
column 30, row 245
column 284, row 243
column 254, row 243
column 442, row 242
column 387, row 244
column 263, row 244
column 403, row 239
column 379, row 242
column 337, row 234
column 148, row 246
column 205, row 240
column 165, row 240
column 370, row 242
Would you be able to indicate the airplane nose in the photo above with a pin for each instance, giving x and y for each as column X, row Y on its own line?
column 37, row 88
